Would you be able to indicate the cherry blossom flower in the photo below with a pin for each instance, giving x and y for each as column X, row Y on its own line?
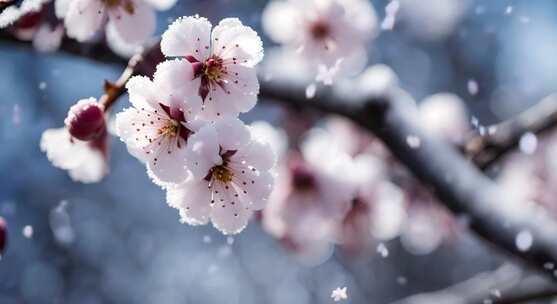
column 133, row 20
column 223, row 60
column 230, row 177
column 321, row 30
column 157, row 128
column 86, row 160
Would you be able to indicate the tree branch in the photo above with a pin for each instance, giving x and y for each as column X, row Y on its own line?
column 489, row 149
column 455, row 181
column 505, row 285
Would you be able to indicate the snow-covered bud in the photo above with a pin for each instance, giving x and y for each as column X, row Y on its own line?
column 3, row 235
column 86, row 120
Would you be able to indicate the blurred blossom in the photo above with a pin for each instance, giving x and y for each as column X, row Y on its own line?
column 434, row 20
column 445, row 115
column 318, row 30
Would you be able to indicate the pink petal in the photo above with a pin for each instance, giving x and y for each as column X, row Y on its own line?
column 193, row 198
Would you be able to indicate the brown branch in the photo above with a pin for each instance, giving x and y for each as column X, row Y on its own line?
column 454, row 180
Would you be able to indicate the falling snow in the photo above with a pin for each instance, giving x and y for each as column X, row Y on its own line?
column 524, row 240
column 27, row 231
column 339, row 294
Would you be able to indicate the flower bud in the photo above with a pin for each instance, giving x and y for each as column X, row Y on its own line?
column 85, row 120
column 3, row 235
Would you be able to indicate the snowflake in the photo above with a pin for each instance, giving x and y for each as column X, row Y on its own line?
column 339, row 294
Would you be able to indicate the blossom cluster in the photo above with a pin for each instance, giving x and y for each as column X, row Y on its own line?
column 328, row 37
column 345, row 188
column 129, row 23
column 183, row 125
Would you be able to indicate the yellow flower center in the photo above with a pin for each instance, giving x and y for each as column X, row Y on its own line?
column 127, row 5
column 214, row 69
column 221, row 173
column 172, row 129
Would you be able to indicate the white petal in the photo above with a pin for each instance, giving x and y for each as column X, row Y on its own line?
column 232, row 133
column 60, row 149
column 84, row 163
column 92, row 170
column 231, row 39
column 168, row 162
column 162, row 5
column 203, row 152
column 229, row 215
column 84, row 18
column 187, row 36
column 257, row 186
column 193, row 198
column 174, row 80
column 61, row 8
column 242, row 87
column 143, row 93
column 259, row 154
column 134, row 27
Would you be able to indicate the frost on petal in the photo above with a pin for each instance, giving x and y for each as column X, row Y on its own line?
column 203, row 152
column 187, row 36
column 230, row 216
column 193, row 200
column 84, row 163
column 142, row 92
column 233, row 40
column 134, row 23
column 84, row 18
column 232, row 134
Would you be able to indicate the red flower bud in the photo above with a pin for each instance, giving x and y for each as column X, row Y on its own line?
column 3, row 235
column 86, row 120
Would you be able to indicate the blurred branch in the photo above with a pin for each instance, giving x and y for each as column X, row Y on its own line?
column 505, row 285
column 455, row 181
column 489, row 149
